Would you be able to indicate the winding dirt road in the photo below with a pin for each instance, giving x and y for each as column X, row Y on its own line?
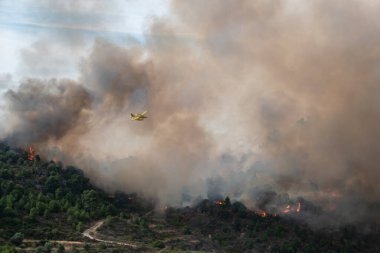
column 91, row 233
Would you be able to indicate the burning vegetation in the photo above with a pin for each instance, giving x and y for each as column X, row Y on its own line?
column 262, row 213
column 289, row 209
column 303, row 104
column 31, row 153
column 212, row 225
column 219, row 202
column 292, row 208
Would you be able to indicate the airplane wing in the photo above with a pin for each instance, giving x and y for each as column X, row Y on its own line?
column 143, row 113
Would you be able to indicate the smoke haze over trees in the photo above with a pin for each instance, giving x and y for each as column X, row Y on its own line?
column 243, row 97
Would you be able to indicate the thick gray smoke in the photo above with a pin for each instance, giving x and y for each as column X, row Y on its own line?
column 242, row 96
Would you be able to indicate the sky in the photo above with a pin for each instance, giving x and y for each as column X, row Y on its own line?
column 71, row 28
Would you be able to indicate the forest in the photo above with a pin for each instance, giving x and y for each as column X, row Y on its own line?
column 44, row 202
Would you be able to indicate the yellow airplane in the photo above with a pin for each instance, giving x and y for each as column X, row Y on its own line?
column 139, row 116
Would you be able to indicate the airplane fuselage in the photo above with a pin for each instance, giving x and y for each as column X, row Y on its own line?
column 138, row 117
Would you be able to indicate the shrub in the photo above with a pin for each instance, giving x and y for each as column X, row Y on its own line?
column 17, row 238
column 48, row 246
column 60, row 249
column 41, row 249
column 158, row 244
column 86, row 247
column 7, row 249
column 187, row 230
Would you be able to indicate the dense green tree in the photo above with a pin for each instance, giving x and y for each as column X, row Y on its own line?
column 33, row 212
column 54, row 206
column 227, row 202
column 90, row 200
column 79, row 226
column 53, row 183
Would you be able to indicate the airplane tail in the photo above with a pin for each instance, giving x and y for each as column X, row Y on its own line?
column 132, row 115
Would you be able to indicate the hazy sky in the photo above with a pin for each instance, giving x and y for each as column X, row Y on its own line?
column 70, row 27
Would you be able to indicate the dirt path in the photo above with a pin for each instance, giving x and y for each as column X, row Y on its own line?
column 92, row 231
column 91, row 234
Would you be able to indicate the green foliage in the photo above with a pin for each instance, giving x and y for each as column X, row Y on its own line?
column 90, row 199
column 158, row 244
column 48, row 246
column 86, row 247
column 41, row 249
column 32, row 192
column 79, row 226
column 7, row 249
column 186, row 230
column 60, row 249
column 44, row 200
column 17, row 238
column 74, row 249
column 108, row 220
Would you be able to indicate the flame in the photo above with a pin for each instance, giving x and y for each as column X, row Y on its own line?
column 298, row 207
column 287, row 209
column 31, row 153
column 262, row 214
column 290, row 208
column 219, row 202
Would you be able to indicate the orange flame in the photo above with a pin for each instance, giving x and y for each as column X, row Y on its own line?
column 31, row 154
column 219, row 202
column 262, row 214
column 286, row 210
column 298, row 207
column 292, row 209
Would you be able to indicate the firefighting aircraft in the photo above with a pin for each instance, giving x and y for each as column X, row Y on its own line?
column 139, row 116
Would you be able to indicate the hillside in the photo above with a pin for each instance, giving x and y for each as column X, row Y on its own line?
column 44, row 201
column 50, row 205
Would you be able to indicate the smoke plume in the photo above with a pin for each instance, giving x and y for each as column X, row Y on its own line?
column 243, row 97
